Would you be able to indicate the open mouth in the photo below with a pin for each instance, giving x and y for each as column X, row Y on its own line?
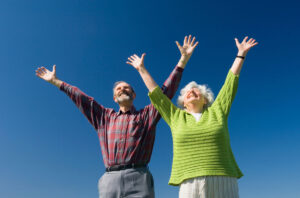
column 192, row 95
column 123, row 93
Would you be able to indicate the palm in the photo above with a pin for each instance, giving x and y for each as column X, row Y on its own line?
column 186, row 50
column 136, row 61
column 45, row 74
column 188, row 46
column 245, row 45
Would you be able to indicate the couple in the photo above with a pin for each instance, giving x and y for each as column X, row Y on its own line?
column 203, row 163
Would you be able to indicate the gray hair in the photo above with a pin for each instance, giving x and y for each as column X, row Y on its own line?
column 204, row 90
column 118, row 82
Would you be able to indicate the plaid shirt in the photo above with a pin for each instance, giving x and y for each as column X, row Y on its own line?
column 125, row 137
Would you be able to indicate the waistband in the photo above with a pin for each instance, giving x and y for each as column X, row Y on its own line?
column 125, row 166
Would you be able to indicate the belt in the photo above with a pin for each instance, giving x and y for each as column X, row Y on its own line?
column 123, row 167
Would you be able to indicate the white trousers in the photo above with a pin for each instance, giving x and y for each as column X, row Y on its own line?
column 209, row 187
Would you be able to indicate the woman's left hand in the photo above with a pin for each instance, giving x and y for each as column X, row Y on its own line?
column 245, row 45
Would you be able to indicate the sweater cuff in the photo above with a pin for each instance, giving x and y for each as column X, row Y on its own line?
column 155, row 92
column 231, row 74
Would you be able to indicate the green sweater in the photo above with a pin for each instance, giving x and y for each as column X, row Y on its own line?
column 200, row 148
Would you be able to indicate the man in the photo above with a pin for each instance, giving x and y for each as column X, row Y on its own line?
column 127, row 136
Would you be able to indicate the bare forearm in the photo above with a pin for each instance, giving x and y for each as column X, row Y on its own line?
column 56, row 82
column 147, row 78
column 238, row 63
column 183, row 61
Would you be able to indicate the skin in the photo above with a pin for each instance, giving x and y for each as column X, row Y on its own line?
column 186, row 51
column 126, row 96
column 193, row 100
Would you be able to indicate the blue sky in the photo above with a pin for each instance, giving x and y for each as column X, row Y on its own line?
column 47, row 147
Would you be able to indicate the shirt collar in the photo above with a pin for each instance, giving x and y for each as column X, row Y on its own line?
column 130, row 111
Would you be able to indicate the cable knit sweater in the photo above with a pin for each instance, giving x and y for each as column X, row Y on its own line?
column 200, row 148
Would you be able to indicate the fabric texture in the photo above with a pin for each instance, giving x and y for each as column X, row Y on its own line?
column 129, row 183
column 200, row 148
column 125, row 137
column 209, row 187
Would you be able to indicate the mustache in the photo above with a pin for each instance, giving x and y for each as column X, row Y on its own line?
column 124, row 92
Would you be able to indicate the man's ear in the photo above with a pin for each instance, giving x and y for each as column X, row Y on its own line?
column 134, row 95
column 115, row 99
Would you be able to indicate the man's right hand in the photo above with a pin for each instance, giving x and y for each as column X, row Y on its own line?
column 186, row 50
column 49, row 76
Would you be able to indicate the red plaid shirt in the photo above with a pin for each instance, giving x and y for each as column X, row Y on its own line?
column 125, row 138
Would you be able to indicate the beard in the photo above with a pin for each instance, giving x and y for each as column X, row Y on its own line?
column 124, row 97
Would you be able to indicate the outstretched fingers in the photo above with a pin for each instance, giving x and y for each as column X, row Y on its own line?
column 237, row 41
column 136, row 61
column 189, row 40
column 54, row 68
column 254, row 44
column 185, row 40
column 130, row 59
column 193, row 40
column 195, row 45
column 245, row 39
column 143, row 56
column 178, row 45
column 40, row 71
column 246, row 44
column 250, row 41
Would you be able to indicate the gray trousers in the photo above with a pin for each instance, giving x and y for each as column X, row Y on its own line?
column 129, row 183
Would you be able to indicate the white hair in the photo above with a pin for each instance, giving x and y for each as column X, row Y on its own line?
column 204, row 90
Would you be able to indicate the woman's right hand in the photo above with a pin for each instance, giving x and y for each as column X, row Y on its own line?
column 136, row 61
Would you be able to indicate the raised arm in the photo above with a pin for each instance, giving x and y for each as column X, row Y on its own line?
column 228, row 91
column 186, row 51
column 94, row 112
column 243, row 49
column 138, row 64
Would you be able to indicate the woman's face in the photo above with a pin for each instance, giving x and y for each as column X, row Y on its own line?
column 193, row 96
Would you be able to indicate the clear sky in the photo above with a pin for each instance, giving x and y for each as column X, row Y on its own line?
column 47, row 147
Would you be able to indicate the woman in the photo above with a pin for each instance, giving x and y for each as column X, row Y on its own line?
column 203, row 163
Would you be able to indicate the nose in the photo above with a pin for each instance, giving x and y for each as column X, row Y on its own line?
column 191, row 91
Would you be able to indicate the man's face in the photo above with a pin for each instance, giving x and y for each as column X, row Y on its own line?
column 123, row 93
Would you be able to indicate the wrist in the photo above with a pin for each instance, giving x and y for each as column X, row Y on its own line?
column 242, row 53
column 56, row 82
column 184, row 59
column 53, row 81
column 141, row 69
